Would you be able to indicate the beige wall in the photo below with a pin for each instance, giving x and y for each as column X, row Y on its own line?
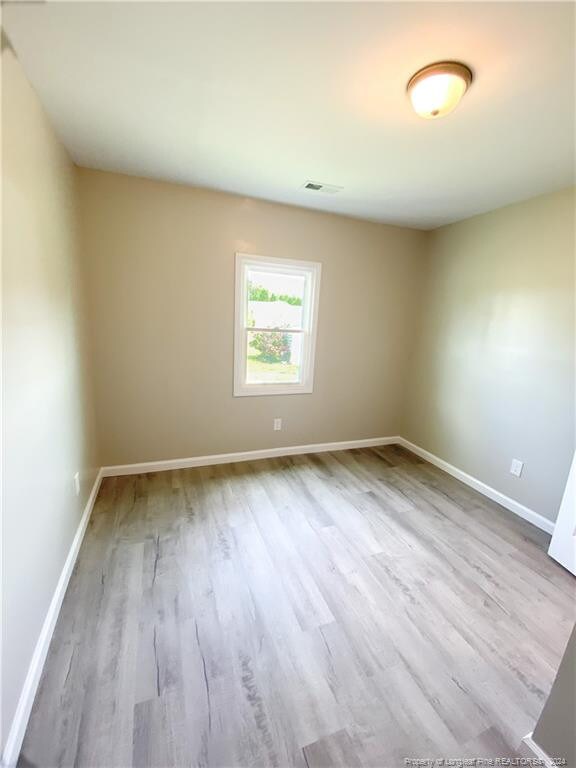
column 493, row 373
column 160, row 261
column 462, row 340
column 47, row 427
column 555, row 731
column 490, row 302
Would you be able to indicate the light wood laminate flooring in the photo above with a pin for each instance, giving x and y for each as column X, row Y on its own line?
column 353, row 608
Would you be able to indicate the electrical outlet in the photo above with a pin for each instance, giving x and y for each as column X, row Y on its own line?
column 77, row 483
column 277, row 425
column 516, row 467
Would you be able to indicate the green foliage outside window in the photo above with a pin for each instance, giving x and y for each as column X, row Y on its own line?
column 259, row 293
column 274, row 346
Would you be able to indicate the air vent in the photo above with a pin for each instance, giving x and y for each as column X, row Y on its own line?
column 323, row 189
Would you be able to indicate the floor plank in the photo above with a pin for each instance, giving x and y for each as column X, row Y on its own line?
column 354, row 608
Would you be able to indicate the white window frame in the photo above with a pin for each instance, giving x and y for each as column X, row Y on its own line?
column 311, row 270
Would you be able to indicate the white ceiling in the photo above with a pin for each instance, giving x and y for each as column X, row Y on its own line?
column 257, row 98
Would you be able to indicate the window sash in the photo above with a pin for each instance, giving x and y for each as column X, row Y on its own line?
column 276, row 329
column 311, row 272
column 303, row 361
column 301, row 367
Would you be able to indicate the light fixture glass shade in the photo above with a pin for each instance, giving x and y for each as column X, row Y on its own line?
column 437, row 89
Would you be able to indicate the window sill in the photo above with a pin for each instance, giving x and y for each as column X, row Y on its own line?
column 259, row 390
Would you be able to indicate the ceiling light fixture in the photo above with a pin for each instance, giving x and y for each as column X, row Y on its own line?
column 436, row 90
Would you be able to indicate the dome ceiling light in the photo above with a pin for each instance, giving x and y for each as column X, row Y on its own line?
column 436, row 90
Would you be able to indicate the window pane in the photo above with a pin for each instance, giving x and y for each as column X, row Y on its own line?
column 273, row 357
column 275, row 299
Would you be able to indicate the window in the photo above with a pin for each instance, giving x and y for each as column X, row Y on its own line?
column 276, row 316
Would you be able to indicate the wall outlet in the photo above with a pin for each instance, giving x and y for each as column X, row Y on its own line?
column 277, row 425
column 516, row 467
column 77, row 483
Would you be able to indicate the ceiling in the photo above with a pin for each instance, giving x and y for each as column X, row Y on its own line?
column 258, row 98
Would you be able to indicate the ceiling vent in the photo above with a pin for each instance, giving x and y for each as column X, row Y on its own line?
column 324, row 189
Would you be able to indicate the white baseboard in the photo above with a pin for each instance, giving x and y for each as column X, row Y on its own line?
column 486, row 490
column 229, row 458
column 22, row 714
column 529, row 749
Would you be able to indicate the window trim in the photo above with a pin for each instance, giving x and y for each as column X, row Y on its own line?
column 310, row 326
